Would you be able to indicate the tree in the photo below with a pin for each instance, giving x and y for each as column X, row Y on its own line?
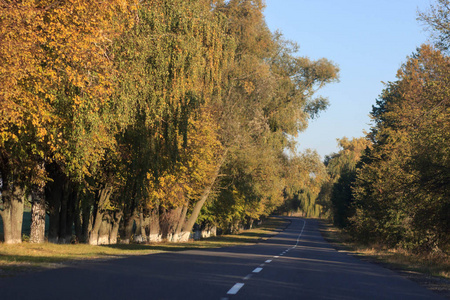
column 304, row 175
column 437, row 21
column 335, row 194
column 268, row 97
column 400, row 194
column 58, row 85
column 21, row 112
column 125, row 112
column 80, row 75
column 170, row 66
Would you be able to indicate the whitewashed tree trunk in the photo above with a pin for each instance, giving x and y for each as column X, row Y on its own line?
column 12, row 214
column 115, row 227
column 155, row 235
column 103, row 199
column 37, row 233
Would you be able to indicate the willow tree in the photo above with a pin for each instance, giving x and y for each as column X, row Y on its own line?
column 268, row 95
column 170, row 65
column 305, row 173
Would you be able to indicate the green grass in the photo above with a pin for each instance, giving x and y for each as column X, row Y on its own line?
column 435, row 264
column 26, row 257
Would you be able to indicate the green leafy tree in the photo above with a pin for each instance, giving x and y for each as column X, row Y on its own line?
column 401, row 198
column 304, row 175
column 336, row 192
column 268, row 95
column 170, row 66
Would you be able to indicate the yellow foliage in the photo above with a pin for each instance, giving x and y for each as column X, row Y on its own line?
column 184, row 183
column 56, row 72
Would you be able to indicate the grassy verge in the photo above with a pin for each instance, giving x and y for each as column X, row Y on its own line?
column 432, row 265
column 27, row 257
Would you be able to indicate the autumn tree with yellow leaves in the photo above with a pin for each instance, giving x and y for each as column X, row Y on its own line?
column 56, row 98
column 146, row 116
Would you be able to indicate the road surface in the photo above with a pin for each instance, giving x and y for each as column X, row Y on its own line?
column 294, row 264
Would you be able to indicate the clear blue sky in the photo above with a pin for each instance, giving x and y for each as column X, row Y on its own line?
column 369, row 40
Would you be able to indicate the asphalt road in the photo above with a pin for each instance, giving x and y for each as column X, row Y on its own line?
column 295, row 264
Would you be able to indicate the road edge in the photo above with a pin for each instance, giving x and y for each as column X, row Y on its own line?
column 438, row 285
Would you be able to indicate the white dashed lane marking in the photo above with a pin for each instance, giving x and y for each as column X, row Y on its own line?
column 299, row 236
column 235, row 289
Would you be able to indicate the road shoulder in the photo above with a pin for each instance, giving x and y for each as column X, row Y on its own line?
column 436, row 284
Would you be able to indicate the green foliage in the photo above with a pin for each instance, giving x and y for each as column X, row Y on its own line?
column 304, row 175
column 140, row 101
column 401, row 191
column 268, row 97
column 170, row 66
column 335, row 194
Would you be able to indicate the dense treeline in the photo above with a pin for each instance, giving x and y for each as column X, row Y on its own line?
column 401, row 191
column 138, row 119
column 397, row 194
column 335, row 196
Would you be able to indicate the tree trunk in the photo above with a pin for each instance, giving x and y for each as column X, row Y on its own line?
column 53, row 219
column 127, row 230
column 60, row 197
column 37, row 234
column 12, row 214
column 70, row 212
column 78, row 221
column 53, row 195
column 115, row 228
column 155, row 230
column 141, row 235
column 86, row 217
column 178, row 236
column 62, row 234
column 103, row 199
column 168, row 223
column 128, row 227
column 250, row 223
column 104, row 231
column 187, row 228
